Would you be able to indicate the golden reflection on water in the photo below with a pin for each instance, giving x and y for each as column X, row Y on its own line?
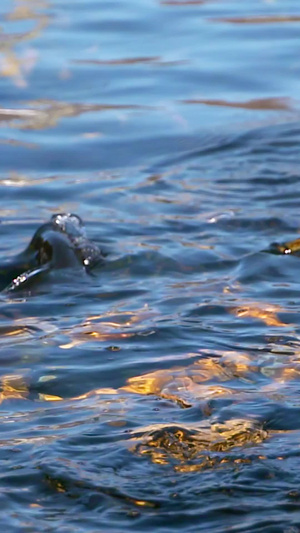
column 16, row 179
column 291, row 247
column 185, row 384
column 18, row 66
column 187, row 447
column 13, row 386
column 272, row 103
column 16, row 334
column 264, row 312
column 110, row 326
column 96, row 392
column 50, row 398
column 185, row 443
column 47, row 113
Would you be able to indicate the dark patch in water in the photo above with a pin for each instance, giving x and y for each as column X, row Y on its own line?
column 60, row 243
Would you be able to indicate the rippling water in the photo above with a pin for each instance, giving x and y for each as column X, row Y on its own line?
column 160, row 392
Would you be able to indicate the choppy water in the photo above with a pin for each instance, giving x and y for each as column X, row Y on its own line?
column 161, row 393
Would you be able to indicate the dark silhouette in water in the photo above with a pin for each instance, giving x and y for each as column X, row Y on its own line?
column 291, row 247
column 60, row 243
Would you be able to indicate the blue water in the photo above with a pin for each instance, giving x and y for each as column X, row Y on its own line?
column 159, row 392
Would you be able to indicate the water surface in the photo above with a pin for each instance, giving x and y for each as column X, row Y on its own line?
column 161, row 392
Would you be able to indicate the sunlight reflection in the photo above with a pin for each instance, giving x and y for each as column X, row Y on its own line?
column 47, row 113
column 18, row 66
column 164, row 444
column 185, row 385
column 99, row 328
column 264, row 312
column 13, row 387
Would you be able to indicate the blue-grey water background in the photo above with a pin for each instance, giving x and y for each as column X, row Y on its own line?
column 161, row 392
